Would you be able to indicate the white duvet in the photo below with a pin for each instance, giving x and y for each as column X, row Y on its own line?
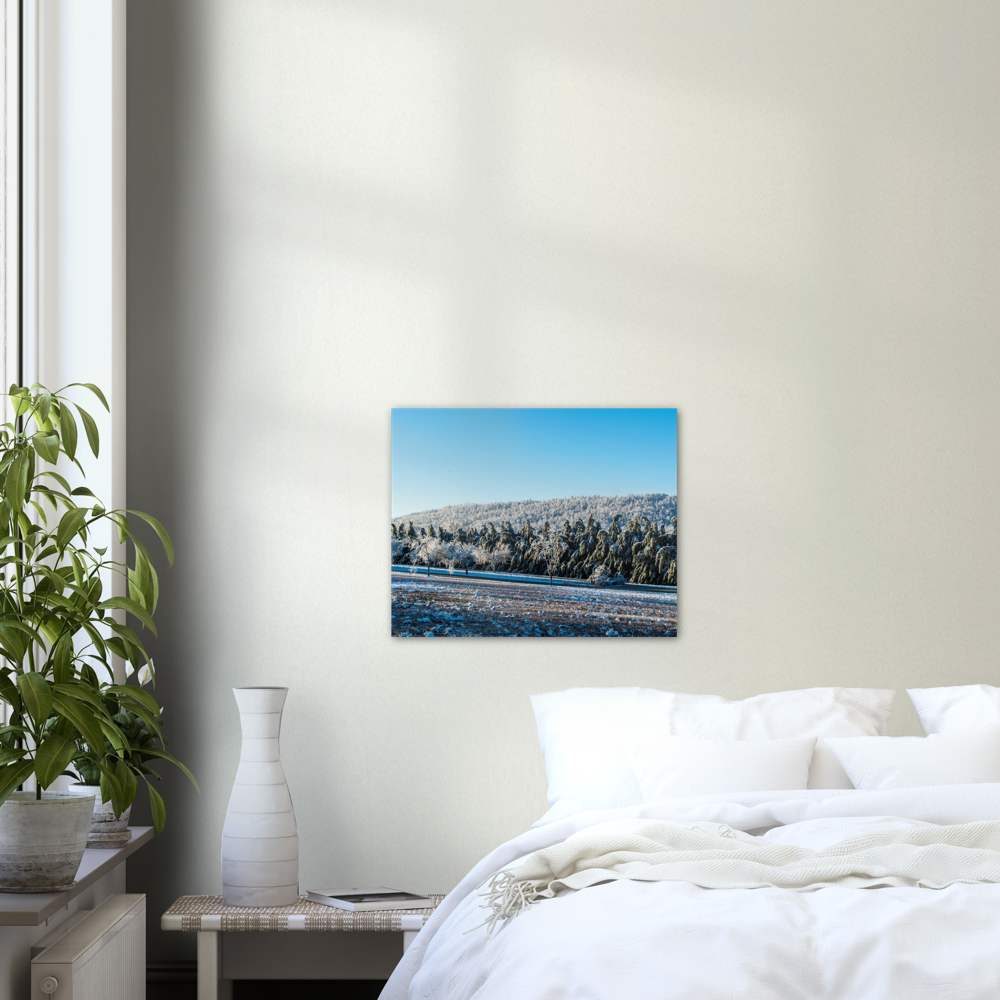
column 675, row 941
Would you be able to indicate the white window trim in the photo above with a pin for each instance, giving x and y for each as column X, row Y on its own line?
column 64, row 201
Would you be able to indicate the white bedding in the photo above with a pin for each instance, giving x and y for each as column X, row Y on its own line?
column 675, row 941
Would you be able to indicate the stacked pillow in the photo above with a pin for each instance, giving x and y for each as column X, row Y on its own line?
column 606, row 748
column 962, row 746
column 671, row 766
column 957, row 709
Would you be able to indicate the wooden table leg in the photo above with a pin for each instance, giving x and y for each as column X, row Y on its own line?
column 211, row 985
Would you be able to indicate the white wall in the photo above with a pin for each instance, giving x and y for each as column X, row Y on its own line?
column 780, row 218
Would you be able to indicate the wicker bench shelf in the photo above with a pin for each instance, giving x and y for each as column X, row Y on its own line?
column 237, row 942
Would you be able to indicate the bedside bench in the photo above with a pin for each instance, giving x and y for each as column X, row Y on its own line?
column 243, row 942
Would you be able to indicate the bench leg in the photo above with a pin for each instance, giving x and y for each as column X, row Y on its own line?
column 211, row 985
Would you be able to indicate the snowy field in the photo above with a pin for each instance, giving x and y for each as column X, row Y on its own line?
column 443, row 606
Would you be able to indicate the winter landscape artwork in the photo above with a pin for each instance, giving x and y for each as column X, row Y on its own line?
column 534, row 522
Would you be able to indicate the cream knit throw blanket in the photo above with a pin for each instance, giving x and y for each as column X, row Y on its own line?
column 932, row 857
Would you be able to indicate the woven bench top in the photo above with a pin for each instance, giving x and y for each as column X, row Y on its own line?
column 207, row 913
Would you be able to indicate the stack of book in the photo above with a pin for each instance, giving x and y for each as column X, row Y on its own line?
column 379, row 898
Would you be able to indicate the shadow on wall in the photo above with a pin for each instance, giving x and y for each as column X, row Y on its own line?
column 157, row 419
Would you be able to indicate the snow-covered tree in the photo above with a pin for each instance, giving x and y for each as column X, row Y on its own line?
column 430, row 551
column 550, row 548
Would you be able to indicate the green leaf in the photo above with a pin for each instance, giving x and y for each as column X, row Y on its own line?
column 70, row 523
column 46, row 445
column 123, row 526
column 150, row 718
column 9, row 692
column 91, row 428
column 114, row 734
column 36, row 695
column 137, row 694
column 52, row 758
column 173, row 760
column 81, row 692
column 85, row 721
column 62, row 660
column 161, row 533
column 70, row 433
column 156, row 807
column 96, row 639
column 132, row 607
column 93, row 388
column 21, row 627
column 59, row 479
column 117, row 647
column 12, row 640
column 111, row 788
column 16, row 485
column 130, row 783
column 20, row 397
column 77, row 569
column 13, row 775
column 12, row 646
column 131, row 639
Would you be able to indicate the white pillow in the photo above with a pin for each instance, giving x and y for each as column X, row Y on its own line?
column 671, row 766
column 879, row 762
column 956, row 709
column 586, row 734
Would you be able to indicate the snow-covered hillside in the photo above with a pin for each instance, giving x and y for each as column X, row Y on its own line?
column 661, row 508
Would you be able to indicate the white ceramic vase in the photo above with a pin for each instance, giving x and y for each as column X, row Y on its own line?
column 260, row 842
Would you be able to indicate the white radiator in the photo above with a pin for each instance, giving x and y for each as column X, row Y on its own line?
column 98, row 956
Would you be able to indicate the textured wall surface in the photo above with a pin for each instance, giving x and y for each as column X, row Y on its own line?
column 780, row 218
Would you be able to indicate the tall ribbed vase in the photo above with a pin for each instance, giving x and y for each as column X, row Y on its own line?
column 260, row 842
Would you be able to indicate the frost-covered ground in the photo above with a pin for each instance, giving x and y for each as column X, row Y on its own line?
column 442, row 606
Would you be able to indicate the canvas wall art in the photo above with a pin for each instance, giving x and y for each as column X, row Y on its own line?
column 534, row 522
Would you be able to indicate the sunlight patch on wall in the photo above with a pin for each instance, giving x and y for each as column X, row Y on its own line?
column 640, row 161
column 367, row 99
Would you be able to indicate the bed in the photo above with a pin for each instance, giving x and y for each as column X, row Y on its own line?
column 900, row 896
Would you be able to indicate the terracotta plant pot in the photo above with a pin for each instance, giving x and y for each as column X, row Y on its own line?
column 42, row 840
column 105, row 831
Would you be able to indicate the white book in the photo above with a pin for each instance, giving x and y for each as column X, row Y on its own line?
column 379, row 898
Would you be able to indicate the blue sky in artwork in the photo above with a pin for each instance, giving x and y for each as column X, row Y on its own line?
column 450, row 456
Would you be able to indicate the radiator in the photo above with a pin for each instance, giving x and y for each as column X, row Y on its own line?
column 98, row 956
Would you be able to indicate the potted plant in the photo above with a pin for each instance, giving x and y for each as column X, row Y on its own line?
column 108, row 830
column 57, row 639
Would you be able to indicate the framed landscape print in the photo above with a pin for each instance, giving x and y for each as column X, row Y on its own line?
column 534, row 522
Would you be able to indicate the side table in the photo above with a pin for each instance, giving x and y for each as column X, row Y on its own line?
column 237, row 942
